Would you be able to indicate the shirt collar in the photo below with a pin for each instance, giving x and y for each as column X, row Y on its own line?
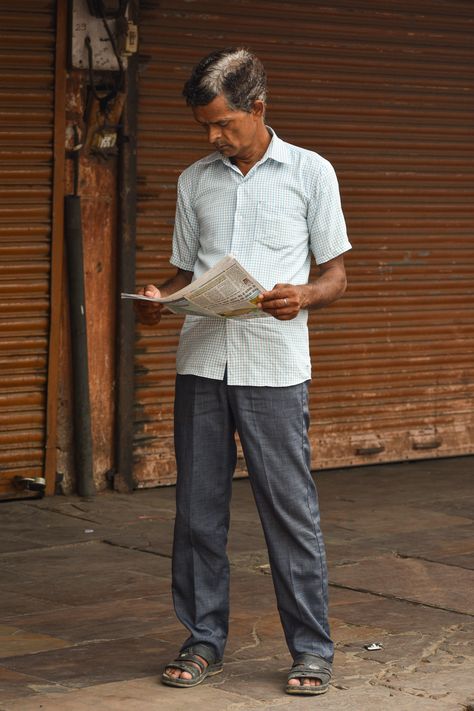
column 277, row 150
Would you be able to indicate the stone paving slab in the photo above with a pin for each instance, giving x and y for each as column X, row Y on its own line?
column 364, row 699
column 153, row 537
column 14, row 685
column 82, row 589
column 91, row 664
column 16, row 603
column 15, row 641
column 461, row 561
column 27, row 526
column 113, row 509
column 157, row 537
column 110, row 619
column 443, row 586
column 13, row 544
column 402, row 482
column 454, row 505
column 394, row 518
column 456, row 544
column 392, row 615
column 89, row 558
column 85, row 573
column 446, row 546
column 147, row 695
column 135, row 695
column 448, row 683
column 399, row 534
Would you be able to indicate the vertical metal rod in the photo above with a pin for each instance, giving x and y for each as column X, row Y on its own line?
column 126, row 282
column 80, row 367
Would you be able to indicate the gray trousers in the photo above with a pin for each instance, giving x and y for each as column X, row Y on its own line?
column 272, row 424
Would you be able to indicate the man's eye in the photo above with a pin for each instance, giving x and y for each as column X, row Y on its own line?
column 222, row 124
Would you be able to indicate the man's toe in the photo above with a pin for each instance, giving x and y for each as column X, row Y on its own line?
column 177, row 673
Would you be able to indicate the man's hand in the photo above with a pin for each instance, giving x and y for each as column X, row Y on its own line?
column 147, row 312
column 284, row 301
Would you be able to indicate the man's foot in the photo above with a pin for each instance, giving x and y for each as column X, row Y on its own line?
column 191, row 668
column 176, row 673
column 310, row 675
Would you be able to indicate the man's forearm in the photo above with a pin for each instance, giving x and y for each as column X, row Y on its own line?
column 285, row 301
column 329, row 287
column 181, row 279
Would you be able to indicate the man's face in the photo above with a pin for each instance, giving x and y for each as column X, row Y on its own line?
column 231, row 132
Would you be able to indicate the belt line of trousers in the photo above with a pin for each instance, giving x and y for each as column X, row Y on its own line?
column 273, row 428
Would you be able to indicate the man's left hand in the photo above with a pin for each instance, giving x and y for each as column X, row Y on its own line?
column 284, row 301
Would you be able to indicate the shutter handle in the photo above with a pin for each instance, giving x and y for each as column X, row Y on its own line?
column 425, row 438
column 371, row 444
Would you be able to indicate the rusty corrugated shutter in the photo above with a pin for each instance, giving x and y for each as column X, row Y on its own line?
column 385, row 92
column 27, row 31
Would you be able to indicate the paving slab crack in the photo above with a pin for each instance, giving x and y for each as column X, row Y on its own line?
column 388, row 677
column 389, row 596
column 46, row 548
column 136, row 548
column 67, row 514
column 434, row 647
column 256, row 639
column 405, row 556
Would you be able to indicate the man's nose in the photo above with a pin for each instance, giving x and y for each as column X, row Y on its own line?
column 213, row 134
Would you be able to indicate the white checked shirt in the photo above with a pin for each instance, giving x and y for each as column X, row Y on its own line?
column 271, row 220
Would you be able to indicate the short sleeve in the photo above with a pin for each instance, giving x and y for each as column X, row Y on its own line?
column 186, row 227
column 326, row 223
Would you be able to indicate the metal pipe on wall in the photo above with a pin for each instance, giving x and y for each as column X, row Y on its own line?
column 80, row 366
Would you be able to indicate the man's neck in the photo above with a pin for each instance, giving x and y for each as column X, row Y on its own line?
column 246, row 163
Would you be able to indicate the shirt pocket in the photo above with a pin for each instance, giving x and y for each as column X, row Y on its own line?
column 279, row 227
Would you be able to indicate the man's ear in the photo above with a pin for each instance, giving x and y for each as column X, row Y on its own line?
column 258, row 108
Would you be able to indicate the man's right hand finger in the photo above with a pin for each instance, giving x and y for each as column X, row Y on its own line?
column 147, row 312
column 151, row 291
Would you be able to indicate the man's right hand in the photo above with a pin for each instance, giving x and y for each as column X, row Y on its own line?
column 147, row 312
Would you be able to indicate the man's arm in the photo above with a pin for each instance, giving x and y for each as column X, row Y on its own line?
column 285, row 301
column 149, row 313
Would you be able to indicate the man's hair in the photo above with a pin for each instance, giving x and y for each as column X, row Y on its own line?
column 234, row 72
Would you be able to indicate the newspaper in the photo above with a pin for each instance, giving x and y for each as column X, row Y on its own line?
column 226, row 290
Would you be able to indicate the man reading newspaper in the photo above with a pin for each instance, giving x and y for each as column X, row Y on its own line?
column 272, row 205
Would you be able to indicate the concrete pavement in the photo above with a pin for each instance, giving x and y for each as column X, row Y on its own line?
column 86, row 620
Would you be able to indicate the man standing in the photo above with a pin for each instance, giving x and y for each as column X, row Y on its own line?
column 271, row 205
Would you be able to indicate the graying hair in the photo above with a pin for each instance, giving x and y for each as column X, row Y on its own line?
column 234, row 72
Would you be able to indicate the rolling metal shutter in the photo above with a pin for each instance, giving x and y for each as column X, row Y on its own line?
column 27, row 52
column 384, row 90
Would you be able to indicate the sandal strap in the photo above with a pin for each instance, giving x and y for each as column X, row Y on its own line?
column 312, row 666
column 183, row 666
column 203, row 650
column 186, row 663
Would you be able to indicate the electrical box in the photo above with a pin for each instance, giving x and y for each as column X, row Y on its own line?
column 93, row 23
column 105, row 8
